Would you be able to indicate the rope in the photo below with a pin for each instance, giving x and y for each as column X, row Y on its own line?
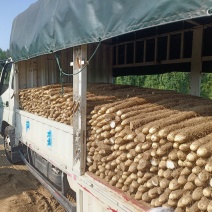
column 86, row 64
column 63, row 73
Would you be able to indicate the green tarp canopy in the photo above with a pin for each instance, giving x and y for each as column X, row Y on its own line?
column 52, row 25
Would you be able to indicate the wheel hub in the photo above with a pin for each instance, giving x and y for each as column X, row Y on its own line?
column 7, row 143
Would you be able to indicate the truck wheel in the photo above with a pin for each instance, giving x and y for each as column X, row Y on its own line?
column 11, row 151
column 7, row 148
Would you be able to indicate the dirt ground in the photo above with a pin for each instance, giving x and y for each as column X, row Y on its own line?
column 20, row 191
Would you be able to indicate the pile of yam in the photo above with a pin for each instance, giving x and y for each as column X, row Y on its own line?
column 153, row 145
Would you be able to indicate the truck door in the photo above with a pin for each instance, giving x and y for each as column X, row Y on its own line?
column 7, row 115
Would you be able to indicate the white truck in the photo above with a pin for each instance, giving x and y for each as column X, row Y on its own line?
column 164, row 35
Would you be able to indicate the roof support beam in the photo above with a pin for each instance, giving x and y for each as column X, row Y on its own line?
column 193, row 22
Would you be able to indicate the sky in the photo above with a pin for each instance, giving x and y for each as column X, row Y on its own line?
column 9, row 9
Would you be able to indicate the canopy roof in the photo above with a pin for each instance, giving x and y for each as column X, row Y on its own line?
column 52, row 25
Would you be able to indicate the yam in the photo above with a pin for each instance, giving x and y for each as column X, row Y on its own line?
column 143, row 188
column 125, row 188
column 138, row 195
column 199, row 182
column 176, row 118
column 201, row 141
column 151, row 117
column 176, row 172
column 178, row 126
column 197, row 194
column 192, row 177
column 145, row 197
column 155, row 192
column 205, row 150
column 182, row 180
column 172, row 203
column 171, row 164
column 194, row 207
column 201, row 162
column 163, row 198
column 208, row 166
column 189, row 186
column 160, row 172
column 162, row 164
column 173, row 155
column 143, row 165
column 175, row 195
column 164, row 183
column 132, row 145
column 203, row 204
column 181, row 155
column 133, row 167
column 192, row 156
column 204, row 176
column 207, row 192
column 192, row 133
column 167, row 174
column 196, row 170
column 187, row 199
column 209, row 207
column 174, row 185
column 186, row 171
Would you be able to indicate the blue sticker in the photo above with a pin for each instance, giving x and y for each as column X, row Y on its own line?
column 27, row 126
column 49, row 138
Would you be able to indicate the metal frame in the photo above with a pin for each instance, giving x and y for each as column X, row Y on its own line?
column 195, row 60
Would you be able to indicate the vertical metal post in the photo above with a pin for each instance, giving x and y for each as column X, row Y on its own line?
column 16, row 97
column 156, row 50
column 196, row 62
column 79, row 117
column 168, row 47
column 125, row 54
column 134, row 52
column 144, row 51
column 182, row 45
column 117, row 55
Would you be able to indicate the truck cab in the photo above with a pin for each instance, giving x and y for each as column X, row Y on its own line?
column 7, row 109
column 6, row 91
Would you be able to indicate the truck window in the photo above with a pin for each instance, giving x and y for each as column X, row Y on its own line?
column 5, row 78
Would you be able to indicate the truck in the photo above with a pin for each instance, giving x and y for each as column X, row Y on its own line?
column 80, row 42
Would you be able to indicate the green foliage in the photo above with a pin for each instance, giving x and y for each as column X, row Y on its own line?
column 4, row 54
column 206, row 85
column 176, row 81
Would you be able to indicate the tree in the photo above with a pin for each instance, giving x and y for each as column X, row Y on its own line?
column 4, row 54
column 206, row 85
column 176, row 81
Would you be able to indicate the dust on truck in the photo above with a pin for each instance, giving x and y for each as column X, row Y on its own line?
column 97, row 146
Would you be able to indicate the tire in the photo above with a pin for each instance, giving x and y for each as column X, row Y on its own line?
column 7, row 151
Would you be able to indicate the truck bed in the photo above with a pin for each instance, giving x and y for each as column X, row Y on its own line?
column 56, row 147
column 52, row 140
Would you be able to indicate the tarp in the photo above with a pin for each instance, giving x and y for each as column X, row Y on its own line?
column 52, row 25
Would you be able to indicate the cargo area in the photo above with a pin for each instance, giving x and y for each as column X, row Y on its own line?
column 152, row 145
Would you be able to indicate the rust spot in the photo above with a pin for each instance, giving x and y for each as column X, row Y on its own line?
column 111, row 209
